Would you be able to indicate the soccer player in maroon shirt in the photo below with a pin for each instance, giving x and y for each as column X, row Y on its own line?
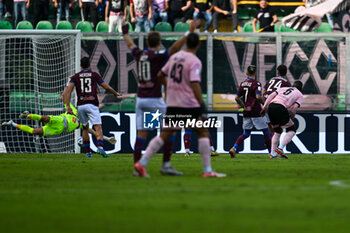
column 277, row 82
column 86, row 82
column 149, row 93
column 274, row 84
column 250, row 91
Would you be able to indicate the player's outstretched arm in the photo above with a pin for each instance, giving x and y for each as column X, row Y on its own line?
column 62, row 94
column 67, row 96
column 110, row 89
column 128, row 40
column 179, row 43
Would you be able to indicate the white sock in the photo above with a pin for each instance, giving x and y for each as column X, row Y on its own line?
column 287, row 138
column 167, row 164
column 204, row 151
column 274, row 142
column 207, row 169
column 13, row 124
column 152, row 148
column 212, row 148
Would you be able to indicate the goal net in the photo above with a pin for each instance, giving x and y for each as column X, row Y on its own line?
column 34, row 69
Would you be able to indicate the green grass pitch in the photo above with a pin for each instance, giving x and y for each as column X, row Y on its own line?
column 68, row 193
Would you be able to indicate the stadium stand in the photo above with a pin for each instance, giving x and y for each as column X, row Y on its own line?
column 248, row 27
column 5, row 25
column 163, row 27
column 64, row 25
column 277, row 27
column 44, row 25
column 325, row 27
column 84, row 26
column 281, row 13
column 102, row 26
column 285, row 29
column 181, row 27
column 25, row 25
column 243, row 13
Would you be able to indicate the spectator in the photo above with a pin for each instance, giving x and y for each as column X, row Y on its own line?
column 266, row 17
column 41, row 11
column 1, row 7
column 225, row 9
column 179, row 10
column 21, row 7
column 141, row 14
column 89, row 7
column 7, row 8
column 101, row 10
column 62, row 5
column 117, row 11
column 202, row 9
column 159, row 8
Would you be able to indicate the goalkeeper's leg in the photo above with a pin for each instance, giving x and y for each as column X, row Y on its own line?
column 34, row 117
column 25, row 128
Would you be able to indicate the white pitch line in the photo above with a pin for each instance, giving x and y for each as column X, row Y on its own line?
column 339, row 183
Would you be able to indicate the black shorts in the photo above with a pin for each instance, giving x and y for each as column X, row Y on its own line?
column 278, row 114
column 182, row 114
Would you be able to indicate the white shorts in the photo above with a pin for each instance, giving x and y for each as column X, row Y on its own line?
column 267, row 118
column 148, row 105
column 89, row 112
column 257, row 122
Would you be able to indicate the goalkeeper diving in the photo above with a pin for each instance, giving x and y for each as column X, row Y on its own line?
column 54, row 125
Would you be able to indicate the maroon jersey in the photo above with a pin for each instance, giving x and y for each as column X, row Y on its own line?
column 86, row 86
column 274, row 84
column 149, row 63
column 248, row 90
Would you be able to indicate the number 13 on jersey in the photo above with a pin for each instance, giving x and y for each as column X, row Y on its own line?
column 85, row 85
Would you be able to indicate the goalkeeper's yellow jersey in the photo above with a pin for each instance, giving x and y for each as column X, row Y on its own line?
column 73, row 122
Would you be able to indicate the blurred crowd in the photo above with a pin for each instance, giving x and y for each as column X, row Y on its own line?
column 143, row 14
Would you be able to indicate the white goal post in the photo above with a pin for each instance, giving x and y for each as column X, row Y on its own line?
column 35, row 66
